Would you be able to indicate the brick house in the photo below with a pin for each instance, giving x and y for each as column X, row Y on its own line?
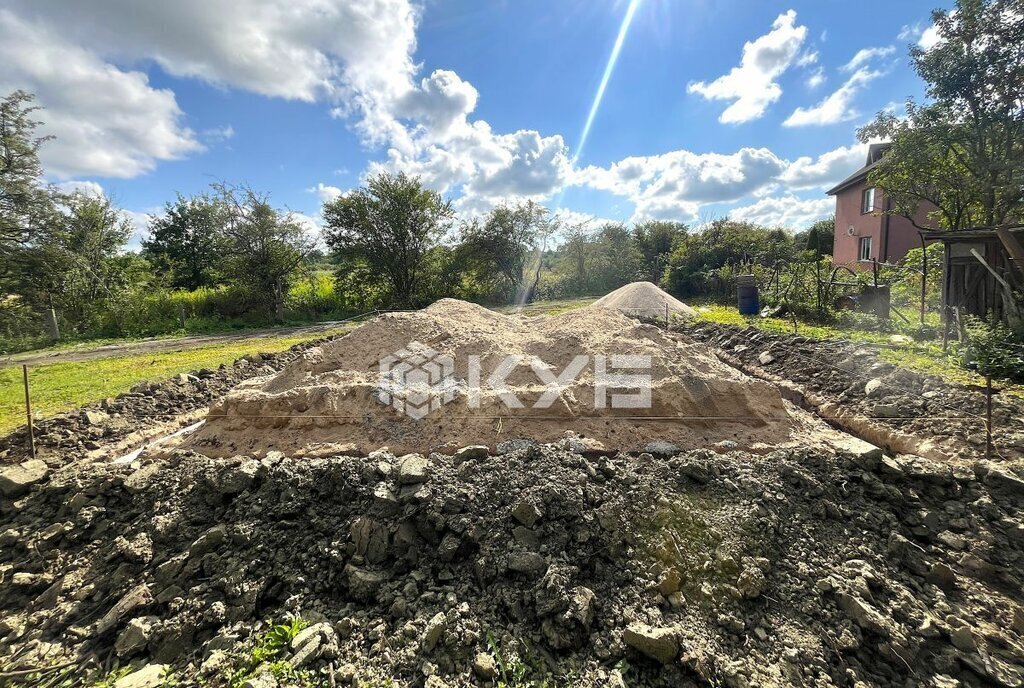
column 864, row 232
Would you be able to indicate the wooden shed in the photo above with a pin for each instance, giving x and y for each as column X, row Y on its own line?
column 968, row 284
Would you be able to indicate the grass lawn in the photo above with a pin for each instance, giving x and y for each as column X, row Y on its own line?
column 921, row 356
column 59, row 387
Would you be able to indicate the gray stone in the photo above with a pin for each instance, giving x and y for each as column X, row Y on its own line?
column 238, row 479
column 362, row 583
column 137, row 597
column 529, row 563
column 662, row 448
column 94, row 417
column 863, row 614
column 476, row 452
column 149, row 676
column 527, row 513
column 208, row 541
column 751, row 582
column 371, row 539
column 312, row 643
column 874, row 388
column 19, row 479
column 413, row 469
column 434, row 631
column 660, row 644
column 484, row 666
column 885, row 411
column 135, row 636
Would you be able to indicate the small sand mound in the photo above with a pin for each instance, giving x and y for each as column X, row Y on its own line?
column 460, row 374
column 644, row 300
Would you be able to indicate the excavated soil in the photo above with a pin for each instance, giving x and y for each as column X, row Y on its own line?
column 518, row 564
column 644, row 300
column 332, row 399
column 793, row 568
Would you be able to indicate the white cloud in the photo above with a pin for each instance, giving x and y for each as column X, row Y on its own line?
column 865, row 55
column 673, row 186
column 325, row 192
column 807, row 58
column 85, row 187
column 826, row 170
column 816, row 79
column 786, row 211
column 752, row 86
column 106, row 121
column 574, row 218
column 687, row 176
column 296, row 49
column 218, row 134
column 837, row 106
column 929, row 38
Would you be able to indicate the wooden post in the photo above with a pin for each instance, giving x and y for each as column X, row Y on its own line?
column 28, row 413
column 924, row 276
column 988, row 416
column 181, row 316
column 668, row 323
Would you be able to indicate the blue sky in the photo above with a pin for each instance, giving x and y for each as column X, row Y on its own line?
column 714, row 107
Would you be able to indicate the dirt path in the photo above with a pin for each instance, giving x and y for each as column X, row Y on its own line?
column 154, row 344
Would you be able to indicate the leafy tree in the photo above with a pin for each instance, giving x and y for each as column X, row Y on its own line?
column 186, row 245
column 616, row 260
column 76, row 264
column 26, row 204
column 655, row 240
column 722, row 243
column 390, row 224
column 264, row 247
column 961, row 152
column 819, row 237
column 498, row 247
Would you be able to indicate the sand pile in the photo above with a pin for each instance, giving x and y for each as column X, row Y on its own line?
column 644, row 300
column 457, row 374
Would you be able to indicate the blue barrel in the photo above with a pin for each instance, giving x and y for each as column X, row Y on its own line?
column 746, row 295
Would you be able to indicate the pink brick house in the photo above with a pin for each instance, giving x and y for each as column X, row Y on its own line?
column 864, row 233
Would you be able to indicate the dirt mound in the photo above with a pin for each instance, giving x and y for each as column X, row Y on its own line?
column 456, row 374
column 644, row 300
column 538, row 567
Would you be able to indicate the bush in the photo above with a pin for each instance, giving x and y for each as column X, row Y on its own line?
column 994, row 350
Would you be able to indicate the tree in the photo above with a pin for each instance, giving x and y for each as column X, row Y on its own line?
column 264, row 247
column 819, row 237
column 186, row 245
column 75, row 264
column 26, row 204
column 498, row 247
column 961, row 152
column 655, row 240
column 390, row 224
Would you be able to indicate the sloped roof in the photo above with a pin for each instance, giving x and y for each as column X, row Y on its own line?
column 875, row 153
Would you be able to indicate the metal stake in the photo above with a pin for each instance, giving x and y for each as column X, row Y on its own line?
column 28, row 413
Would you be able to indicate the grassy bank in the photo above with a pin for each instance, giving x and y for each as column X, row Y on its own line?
column 921, row 356
column 59, row 387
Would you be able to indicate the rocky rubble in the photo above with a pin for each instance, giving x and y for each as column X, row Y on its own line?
column 796, row 567
column 949, row 417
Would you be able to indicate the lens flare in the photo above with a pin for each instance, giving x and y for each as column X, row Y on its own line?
column 608, row 69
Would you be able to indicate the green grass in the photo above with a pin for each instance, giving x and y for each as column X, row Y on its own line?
column 60, row 387
column 920, row 356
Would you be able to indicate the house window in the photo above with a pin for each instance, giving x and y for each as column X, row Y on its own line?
column 867, row 200
column 865, row 248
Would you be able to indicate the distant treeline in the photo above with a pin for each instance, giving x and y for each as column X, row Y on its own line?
column 229, row 257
